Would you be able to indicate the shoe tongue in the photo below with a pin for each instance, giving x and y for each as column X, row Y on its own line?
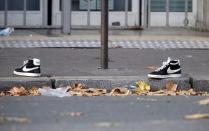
column 168, row 60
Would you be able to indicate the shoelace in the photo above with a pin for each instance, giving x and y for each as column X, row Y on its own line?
column 164, row 64
column 24, row 62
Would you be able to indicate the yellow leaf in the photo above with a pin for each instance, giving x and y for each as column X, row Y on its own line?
column 142, row 87
column 197, row 116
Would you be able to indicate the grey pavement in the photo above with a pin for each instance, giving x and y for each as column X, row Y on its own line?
column 103, row 113
column 86, row 62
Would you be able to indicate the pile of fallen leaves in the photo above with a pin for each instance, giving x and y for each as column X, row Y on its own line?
column 141, row 88
column 21, row 91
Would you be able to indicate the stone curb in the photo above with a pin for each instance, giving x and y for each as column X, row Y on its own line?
column 185, row 82
column 201, row 84
column 9, row 82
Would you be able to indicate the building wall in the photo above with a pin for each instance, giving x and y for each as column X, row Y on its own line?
column 16, row 18
column 80, row 18
column 176, row 19
column 202, row 19
column 199, row 17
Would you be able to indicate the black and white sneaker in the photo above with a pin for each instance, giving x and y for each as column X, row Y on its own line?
column 169, row 69
column 31, row 67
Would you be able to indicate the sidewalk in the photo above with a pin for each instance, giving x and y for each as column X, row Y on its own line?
column 147, row 34
column 64, row 66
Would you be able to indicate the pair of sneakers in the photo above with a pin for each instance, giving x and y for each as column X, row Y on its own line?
column 30, row 67
column 169, row 69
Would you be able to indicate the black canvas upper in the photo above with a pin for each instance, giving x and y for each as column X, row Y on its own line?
column 173, row 65
column 29, row 64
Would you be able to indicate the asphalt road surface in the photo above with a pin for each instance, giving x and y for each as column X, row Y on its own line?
column 142, row 113
column 85, row 62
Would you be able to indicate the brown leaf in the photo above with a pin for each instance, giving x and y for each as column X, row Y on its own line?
column 15, row 91
column 14, row 119
column 204, row 102
column 157, row 93
column 2, row 94
column 192, row 92
column 197, row 116
column 119, row 92
column 73, row 93
column 171, row 86
column 94, row 92
column 170, row 93
column 186, row 92
column 34, row 91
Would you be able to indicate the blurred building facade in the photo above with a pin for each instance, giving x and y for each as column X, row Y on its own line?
column 122, row 13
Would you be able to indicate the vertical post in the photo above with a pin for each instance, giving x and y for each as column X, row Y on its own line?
column 186, row 21
column 205, row 14
column 104, row 34
column 145, row 16
column 44, row 14
column 167, row 12
column 88, row 12
column 66, row 16
column 149, row 13
column 6, row 13
column 126, row 12
column 24, row 12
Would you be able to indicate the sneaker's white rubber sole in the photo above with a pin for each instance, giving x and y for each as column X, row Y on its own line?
column 26, row 74
column 164, row 76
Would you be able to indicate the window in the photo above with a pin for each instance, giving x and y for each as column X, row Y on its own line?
column 95, row 5
column 33, row 5
column 15, row 5
column 2, row 5
column 179, row 6
column 174, row 5
column 158, row 5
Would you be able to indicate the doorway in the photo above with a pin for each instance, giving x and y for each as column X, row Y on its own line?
column 49, row 12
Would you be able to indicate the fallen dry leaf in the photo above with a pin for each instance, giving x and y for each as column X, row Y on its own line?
column 142, row 87
column 186, row 92
column 170, row 93
column 171, row 86
column 197, row 116
column 119, row 92
column 34, row 91
column 15, row 91
column 2, row 94
column 14, row 119
column 204, row 102
column 94, row 92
